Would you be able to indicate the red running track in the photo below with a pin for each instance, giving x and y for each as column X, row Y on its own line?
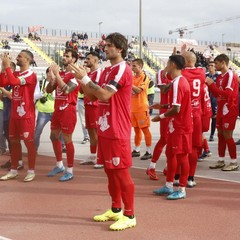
column 49, row 209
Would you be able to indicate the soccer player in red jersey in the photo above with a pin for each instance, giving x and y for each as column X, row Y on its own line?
column 162, row 81
column 22, row 121
column 64, row 116
column 179, row 140
column 114, row 129
column 196, row 79
column 206, row 116
column 226, row 91
column 91, row 107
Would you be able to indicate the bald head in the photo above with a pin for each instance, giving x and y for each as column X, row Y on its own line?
column 190, row 59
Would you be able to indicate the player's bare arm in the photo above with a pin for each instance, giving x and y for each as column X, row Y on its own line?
column 52, row 84
column 209, row 81
column 136, row 89
column 171, row 112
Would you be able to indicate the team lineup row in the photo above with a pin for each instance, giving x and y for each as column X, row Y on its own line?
column 116, row 101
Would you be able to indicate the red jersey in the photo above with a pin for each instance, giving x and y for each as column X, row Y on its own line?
column 226, row 92
column 206, row 103
column 114, row 115
column 180, row 95
column 94, row 76
column 23, row 95
column 196, row 79
column 164, row 97
column 63, row 100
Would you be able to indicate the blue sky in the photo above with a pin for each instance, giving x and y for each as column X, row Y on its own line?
column 158, row 16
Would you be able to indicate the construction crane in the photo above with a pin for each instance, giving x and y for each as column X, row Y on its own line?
column 182, row 30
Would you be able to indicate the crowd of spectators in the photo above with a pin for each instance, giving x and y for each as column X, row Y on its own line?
column 34, row 37
column 5, row 44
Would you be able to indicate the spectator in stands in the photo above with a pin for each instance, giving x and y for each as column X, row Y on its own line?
column 85, row 37
column 36, row 37
column 145, row 44
column 30, row 36
column 5, row 44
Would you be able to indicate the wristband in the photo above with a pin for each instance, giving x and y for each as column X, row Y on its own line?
column 85, row 80
column 162, row 116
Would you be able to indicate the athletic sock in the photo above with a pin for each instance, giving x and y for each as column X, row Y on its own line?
column 59, row 164
column 116, row 210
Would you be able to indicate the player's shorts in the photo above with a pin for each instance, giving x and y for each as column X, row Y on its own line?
column 140, row 119
column 114, row 153
column 205, row 123
column 65, row 120
column 226, row 123
column 197, row 131
column 91, row 116
column 22, row 128
column 179, row 143
column 164, row 127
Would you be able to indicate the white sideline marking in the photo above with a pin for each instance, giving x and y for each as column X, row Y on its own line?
column 3, row 238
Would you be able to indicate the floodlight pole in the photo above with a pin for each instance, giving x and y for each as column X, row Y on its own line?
column 140, row 28
column 99, row 24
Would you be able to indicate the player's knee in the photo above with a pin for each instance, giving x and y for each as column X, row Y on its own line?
column 53, row 137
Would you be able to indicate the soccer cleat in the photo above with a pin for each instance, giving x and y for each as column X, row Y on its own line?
column 29, row 177
column 152, row 173
column 91, row 160
column 163, row 191
column 9, row 175
column 135, row 153
column 85, row 140
column 20, row 167
column 123, row 223
column 55, row 171
column 176, row 195
column 66, row 177
column 98, row 166
column 218, row 164
column 204, row 155
column 146, row 156
column 211, row 139
column 176, row 182
column 109, row 215
column 191, row 183
column 231, row 167
column 237, row 142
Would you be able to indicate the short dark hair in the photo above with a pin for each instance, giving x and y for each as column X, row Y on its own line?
column 178, row 60
column 94, row 53
column 139, row 61
column 74, row 53
column 119, row 42
column 222, row 58
column 30, row 55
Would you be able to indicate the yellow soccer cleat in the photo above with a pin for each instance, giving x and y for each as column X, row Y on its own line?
column 109, row 215
column 123, row 223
